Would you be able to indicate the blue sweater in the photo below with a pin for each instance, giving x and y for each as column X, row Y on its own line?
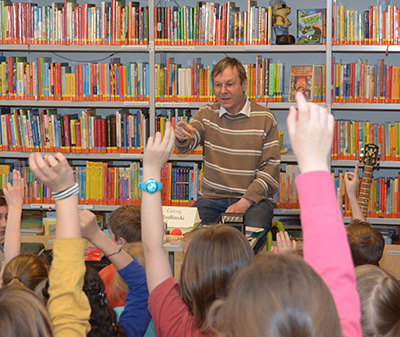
column 135, row 318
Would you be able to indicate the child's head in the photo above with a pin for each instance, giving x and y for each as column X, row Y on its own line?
column 279, row 295
column 214, row 254
column 23, row 314
column 366, row 243
column 103, row 319
column 125, row 224
column 380, row 301
column 27, row 269
column 134, row 249
column 3, row 215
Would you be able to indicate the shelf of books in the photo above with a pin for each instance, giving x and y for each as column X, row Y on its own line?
column 243, row 49
column 75, row 48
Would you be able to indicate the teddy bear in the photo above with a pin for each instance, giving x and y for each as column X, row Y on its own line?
column 280, row 22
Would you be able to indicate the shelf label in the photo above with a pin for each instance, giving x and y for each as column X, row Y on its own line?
column 85, row 206
column 176, row 104
column 140, row 47
column 177, row 48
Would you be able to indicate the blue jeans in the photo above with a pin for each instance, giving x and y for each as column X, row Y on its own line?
column 259, row 215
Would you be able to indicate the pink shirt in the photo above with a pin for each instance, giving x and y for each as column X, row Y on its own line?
column 326, row 247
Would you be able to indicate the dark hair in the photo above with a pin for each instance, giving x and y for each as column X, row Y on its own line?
column 279, row 295
column 27, row 269
column 3, row 201
column 125, row 222
column 23, row 314
column 229, row 62
column 214, row 254
column 366, row 243
column 103, row 319
column 379, row 294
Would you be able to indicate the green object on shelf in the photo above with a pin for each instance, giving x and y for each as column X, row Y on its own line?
column 281, row 228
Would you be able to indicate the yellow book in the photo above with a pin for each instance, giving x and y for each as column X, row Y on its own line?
column 49, row 225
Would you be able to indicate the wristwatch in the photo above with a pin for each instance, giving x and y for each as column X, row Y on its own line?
column 150, row 186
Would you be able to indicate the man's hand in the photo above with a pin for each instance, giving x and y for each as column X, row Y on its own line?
column 53, row 171
column 352, row 181
column 239, row 207
column 184, row 131
column 88, row 224
column 311, row 134
column 13, row 193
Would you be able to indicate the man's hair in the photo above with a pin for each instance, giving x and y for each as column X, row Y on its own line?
column 125, row 222
column 229, row 62
column 27, row 269
column 379, row 294
column 279, row 295
column 23, row 314
column 366, row 243
column 214, row 254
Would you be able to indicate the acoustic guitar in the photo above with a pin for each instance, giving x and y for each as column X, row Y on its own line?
column 370, row 159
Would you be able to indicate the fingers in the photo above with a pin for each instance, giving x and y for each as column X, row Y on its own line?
column 303, row 107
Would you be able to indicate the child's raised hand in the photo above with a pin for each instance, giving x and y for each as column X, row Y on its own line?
column 13, row 193
column 53, row 171
column 352, row 181
column 88, row 224
column 159, row 150
column 311, row 134
column 283, row 243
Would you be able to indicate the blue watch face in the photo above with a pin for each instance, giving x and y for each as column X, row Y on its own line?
column 151, row 186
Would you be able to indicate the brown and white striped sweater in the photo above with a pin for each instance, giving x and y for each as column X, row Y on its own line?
column 241, row 154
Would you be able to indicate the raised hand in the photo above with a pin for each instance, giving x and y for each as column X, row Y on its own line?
column 13, row 193
column 88, row 225
column 352, row 181
column 283, row 243
column 184, row 131
column 311, row 134
column 158, row 149
column 53, row 171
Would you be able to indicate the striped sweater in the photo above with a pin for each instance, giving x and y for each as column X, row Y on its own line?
column 241, row 153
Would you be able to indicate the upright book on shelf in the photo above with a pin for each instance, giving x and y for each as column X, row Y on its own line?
column 301, row 79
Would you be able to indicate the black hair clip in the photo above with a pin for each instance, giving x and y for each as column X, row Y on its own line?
column 103, row 299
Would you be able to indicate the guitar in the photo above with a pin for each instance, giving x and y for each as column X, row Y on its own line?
column 370, row 159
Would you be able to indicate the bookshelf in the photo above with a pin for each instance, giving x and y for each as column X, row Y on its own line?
column 154, row 54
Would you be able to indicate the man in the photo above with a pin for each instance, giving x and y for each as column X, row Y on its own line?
column 241, row 150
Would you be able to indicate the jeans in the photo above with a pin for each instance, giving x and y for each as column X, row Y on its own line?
column 259, row 215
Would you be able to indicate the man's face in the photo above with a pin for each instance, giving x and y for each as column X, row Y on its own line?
column 3, row 221
column 229, row 91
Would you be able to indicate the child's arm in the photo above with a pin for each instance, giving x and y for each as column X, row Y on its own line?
column 326, row 247
column 12, row 239
column 68, row 305
column 135, row 317
column 92, row 232
column 352, row 181
column 156, row 154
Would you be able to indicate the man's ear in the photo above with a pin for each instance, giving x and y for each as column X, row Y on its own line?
column 121, row 241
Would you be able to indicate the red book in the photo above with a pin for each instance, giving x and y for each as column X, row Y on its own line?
column 80, row 82
column 371, row 25
column 67, row 131
column 85, row 23
column 8, row 126
column 78, row 135
column 103, row 134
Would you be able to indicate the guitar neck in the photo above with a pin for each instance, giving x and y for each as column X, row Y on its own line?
column 366, row 181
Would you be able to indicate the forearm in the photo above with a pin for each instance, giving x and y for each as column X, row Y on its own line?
column 157, row 266
column 12, row 239
column 108, row 247
column 67, row 218
column 355, row 208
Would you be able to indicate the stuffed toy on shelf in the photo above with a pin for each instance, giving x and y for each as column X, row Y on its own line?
column 281, row 23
